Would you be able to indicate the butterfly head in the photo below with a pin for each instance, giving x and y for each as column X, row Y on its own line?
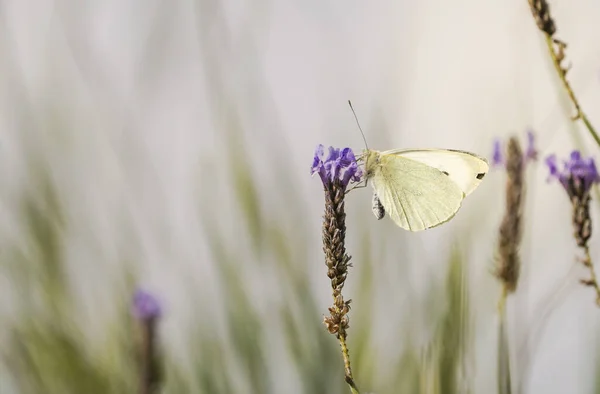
column 371, row 159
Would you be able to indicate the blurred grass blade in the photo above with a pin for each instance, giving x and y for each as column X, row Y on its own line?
column 504, row 378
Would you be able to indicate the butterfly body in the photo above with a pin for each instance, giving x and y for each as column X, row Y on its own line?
column 377, row 207
column 421, row 188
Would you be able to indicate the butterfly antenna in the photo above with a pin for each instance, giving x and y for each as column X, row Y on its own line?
column 356, row 117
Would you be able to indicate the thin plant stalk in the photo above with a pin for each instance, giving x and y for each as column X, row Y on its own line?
column 147, row 311
column 587, row 261
column 504, row 377
column 347, row 367
column 508, row 262
column 148, row 378
column 556, row 48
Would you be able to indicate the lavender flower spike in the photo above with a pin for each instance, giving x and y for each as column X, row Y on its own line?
column 339, row 166
column 577, row 174
column 337, row 171
column 145, row 306
column 577, row 177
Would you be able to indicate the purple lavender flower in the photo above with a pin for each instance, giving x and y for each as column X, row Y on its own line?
column 339, row 166
column 577, row 175
column 145, row 306
column 531, row 153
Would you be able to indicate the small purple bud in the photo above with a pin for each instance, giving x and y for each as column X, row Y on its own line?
column 145, row 306
column 552, row 166
column 531, row 152
column 497, row 159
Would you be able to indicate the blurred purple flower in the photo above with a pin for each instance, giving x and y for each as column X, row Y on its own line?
column 577, row 175
column 339, row 166
column 497, row 158
column 145, row 306
column 531, row 153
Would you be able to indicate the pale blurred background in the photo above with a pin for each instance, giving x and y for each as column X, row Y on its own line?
column 167, row 145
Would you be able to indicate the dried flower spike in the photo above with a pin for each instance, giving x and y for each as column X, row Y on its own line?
column 337, row 171
column 508, row 262
column 577, row 176
column 541, row 13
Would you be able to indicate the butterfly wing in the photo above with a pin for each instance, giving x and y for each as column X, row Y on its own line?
column 415, row 195
column 463, row 168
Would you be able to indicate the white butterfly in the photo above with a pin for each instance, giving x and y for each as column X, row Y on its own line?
column 421, row 188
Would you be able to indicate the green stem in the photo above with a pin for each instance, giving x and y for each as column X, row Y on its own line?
column 347, row 368
column 593, row 282
column 557, row 58
column 504, row 378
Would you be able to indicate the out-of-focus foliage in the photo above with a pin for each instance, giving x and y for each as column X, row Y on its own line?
column 47, row 352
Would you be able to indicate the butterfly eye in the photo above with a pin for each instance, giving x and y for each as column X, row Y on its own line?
column 480, row 175
column 446, row 172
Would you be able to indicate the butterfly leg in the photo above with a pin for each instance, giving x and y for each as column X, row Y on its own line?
column 358, row 186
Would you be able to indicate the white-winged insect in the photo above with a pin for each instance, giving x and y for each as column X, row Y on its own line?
column 420, row 188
